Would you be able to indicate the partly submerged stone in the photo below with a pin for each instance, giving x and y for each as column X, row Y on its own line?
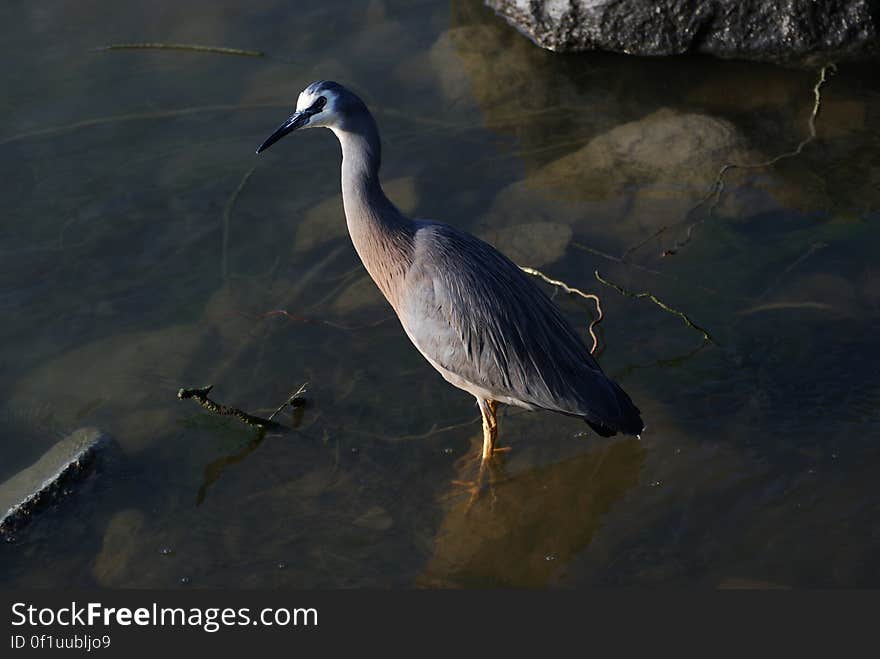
column 49, row 477
column 771, row 30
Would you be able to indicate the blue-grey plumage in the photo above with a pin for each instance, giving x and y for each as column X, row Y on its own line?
column 472, row 313
column 493, row 332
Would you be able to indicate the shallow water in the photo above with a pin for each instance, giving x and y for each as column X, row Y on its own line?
column 143, row 246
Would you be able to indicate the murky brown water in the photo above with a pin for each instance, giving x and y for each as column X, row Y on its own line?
column 132, row 264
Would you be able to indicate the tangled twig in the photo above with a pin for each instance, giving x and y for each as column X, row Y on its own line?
column 573, row 291
column 659, row 303
column 717, row 188
column 201, row 396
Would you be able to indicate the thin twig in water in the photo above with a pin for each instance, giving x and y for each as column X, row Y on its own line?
column 717, row 188
column 776, row 306
column 329, row 323
column 617, row 259
column 220, row 50
column 815, row 247
column 201, row 396
column 435, row 430
column 227, row 212
column 294, row 400
column 134, row 116
column 573, row 291
column 662, row 363
column 597, row 252
column 641, row 244
column 659, row 303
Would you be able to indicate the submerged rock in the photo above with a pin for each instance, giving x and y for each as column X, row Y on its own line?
column 535, row 244
column 751, row 29
column 121, row 542
column 481, row 64
column 325, row 221
column 128, row 373
column 375, row 519
column 360, row 295
column 48, row 478
column 680, row 149
column 629, row 181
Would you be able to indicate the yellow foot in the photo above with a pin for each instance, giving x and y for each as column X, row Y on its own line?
column 488, row 475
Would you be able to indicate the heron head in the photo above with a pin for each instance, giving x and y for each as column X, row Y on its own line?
column 323, row 103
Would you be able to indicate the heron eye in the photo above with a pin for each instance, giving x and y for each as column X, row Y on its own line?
column 319, row 104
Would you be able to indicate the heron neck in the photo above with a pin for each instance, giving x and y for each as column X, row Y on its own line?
column 381, row 234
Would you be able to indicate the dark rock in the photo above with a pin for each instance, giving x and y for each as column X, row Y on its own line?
column 49, row 478
column 774, row 30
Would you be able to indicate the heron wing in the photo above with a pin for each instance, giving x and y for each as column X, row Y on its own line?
column 472, row 311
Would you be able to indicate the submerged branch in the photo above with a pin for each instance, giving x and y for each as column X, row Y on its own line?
column 659, row 303
column 201, row 396
column 573, row 291
column 180, row 46
column 717, row 188
column 294, row 400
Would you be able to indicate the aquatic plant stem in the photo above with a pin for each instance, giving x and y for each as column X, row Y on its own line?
column 220, row 50
column 717, row 188
column 227, row 213
column 134, row 116
column 650, row 296
column 573, row 291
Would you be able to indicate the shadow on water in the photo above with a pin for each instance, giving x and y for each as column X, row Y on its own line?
column 528, row 526
column 214, row 470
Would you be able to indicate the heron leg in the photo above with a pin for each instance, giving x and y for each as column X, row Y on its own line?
column 487, row 467
column 493, row 408
column 490, row 426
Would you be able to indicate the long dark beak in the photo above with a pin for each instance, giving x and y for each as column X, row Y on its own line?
column 296, row 120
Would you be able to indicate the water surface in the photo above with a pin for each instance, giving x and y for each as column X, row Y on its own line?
column 143, row 247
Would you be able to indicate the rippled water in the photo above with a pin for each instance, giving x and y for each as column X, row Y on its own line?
column 143, row 247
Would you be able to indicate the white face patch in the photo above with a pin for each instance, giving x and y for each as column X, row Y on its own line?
column 305, row 100
column 327, row 116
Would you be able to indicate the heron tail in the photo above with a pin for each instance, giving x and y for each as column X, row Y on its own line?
column 627, row 418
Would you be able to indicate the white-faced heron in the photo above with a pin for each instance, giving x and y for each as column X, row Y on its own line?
column 471, row 312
